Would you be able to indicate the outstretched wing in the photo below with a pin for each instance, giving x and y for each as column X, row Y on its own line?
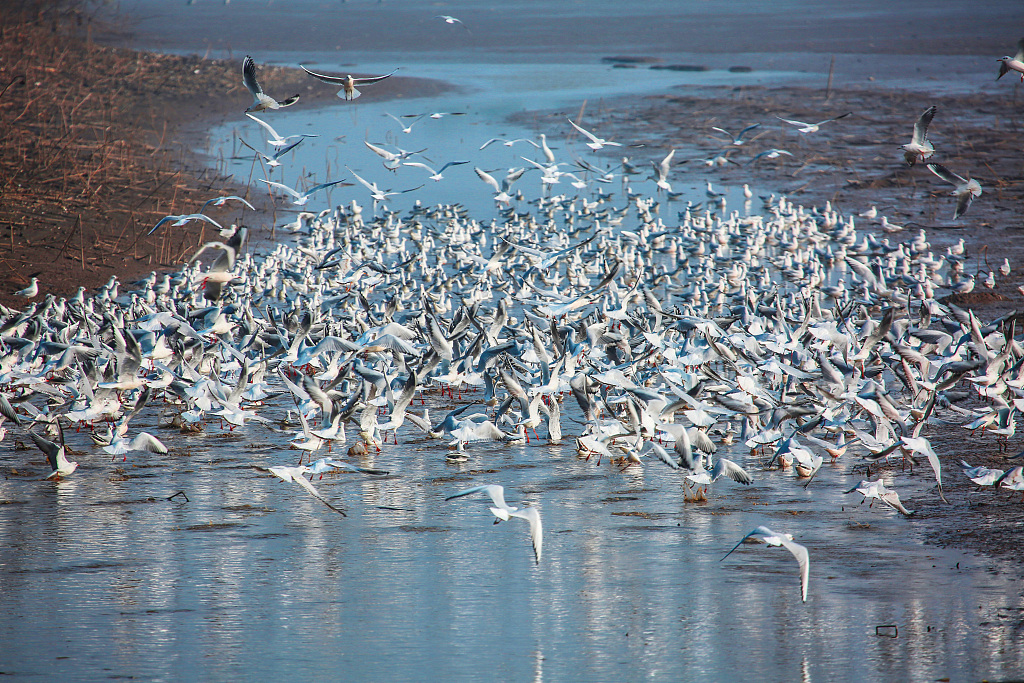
column 249, row 77
column 335, row 80
column 921, row 127
column 803, row 559
column 532, row 515
column 947, row 175
column 371, row 79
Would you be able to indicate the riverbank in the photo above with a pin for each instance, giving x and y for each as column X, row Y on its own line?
column 96, row 145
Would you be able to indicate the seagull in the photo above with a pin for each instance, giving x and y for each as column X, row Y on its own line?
column 966, row 189
column 220, row 201
column 405, row 129
column 763, row 533
column 273, row 160
column 55, row 456
column 773, row 153
column 449, row 19
column 434, row 175
column 919, row 148
column 1015, row 63
column 378, row 194
column 501, row 192
column 144, row 441
column 295, row 474
column 391, row 159
column 812, row 127
column 184, row 218
column 31, row 291
column 503, row 512
column 261, row 100
column 876, row 490
column 300, row 198
column 738, row 138
column 508, row 143
column 661, row 171
column 275, row 139
column 595, row 143
column 348, row 83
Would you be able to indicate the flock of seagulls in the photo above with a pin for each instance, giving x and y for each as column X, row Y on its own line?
column 790, row 336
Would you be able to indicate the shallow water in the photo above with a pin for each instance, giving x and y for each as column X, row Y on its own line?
column 103, row 575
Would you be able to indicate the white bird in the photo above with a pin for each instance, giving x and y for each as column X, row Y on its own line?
column 876, row 490
column 182, row 219
column 1015, row 63
column 391, row 159
column 773, row 153
column 504, row 512
column 763, row 533
column 31, row 291
column 661, row 171
column 449, row 19
column 273, row 160
column 595, row 143
column 221, row 201
column 434, row 175
column 804, row 127
column 295, row 475
column 300, row 198
column 919, row 148
column 405, row 129
column 55, row 456
column 348, row 83
column 500, row 191
column 261, row 100
column 737, row 139
column 275, row 139
column 378, row 194
column 965, row 189
column 144, row 441
column 508, row 143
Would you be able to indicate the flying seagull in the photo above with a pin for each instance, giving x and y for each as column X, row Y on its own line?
column 919, row 148
column 275, row 139
column 300, row 198
column 55, row 455
column 595, row 143
column 260, row 100
column 504, row 513
column 1015, row 63
column 965, row 189
column 812, row 127
column 763, row 533
column 348, row 83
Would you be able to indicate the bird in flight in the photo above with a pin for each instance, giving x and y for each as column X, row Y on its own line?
column 766, row 535
column 1015, row 63
column 348, row 83
column 965, row 189
column 504, row 512
column 919, row 148
column 260, row 100
column 804, row 127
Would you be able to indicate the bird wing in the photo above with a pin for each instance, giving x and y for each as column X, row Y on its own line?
column 921, row 127
column 487, row 178
column 371, row 79
column 1020, row 50
column 799, row 124
column 49, row 448
column 593, row 138
column 803, row 559
column 305, row 483
column 663, row 455
column 947, row 175
column 336, row 80
column 836, row 118
column 317, row 188
column 451, row 163
column 145, row 441
column 418, row 164
column 747, row 129
column 495, row 491
column 389, row 156
column 724, row 466
column 511, row 177
column 963, row 200
column 283, row 188
column 372, row 187
column 532, row 515
column 266, row 125
column 249, row 77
